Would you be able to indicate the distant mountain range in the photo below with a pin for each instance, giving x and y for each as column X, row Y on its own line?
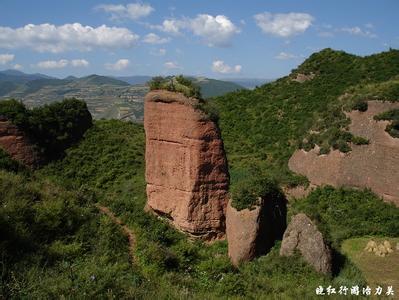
column 22, row 83
column 107, row 97
column 248, row 83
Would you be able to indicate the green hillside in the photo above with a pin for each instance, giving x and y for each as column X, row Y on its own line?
column 80, row 252
column 100, row 80
column 55, row 243
column 263, row 127
column 212, row 87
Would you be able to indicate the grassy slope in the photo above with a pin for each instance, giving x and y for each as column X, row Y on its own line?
column 110, row 162
column 263, row 127
column 213, row 87
column 108, row 167
column 382, row 271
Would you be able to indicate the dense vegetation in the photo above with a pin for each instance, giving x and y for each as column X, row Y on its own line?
column 108, row 167
column 247, row 191
column 57, row 245
column 345, row 213
column 263, row 127
column 54, row 127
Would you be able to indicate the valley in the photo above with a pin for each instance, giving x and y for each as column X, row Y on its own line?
column 106, row 97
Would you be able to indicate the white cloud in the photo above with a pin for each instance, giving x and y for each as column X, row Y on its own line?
column 285, row 56
column 132, row 11
column 59, row 64
column 219, row 66
column 171, row 65
column 52, row 38
column 79, row 63
column 153, row 38
column 171, row 26
column 17, row 67
column 6, row 58
column 159, row 52
column 283, row 25
column 216, row 31
column 53, row 64
column 358, row 31
column 121, row 64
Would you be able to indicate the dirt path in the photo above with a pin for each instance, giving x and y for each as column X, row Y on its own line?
column 126, row 230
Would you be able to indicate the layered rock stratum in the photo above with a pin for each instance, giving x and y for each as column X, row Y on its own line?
column 373, row 166
column 17, row 144
column 186, row 167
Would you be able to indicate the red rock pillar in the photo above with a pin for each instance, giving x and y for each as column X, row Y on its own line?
column 17, row 144
column 186, row 167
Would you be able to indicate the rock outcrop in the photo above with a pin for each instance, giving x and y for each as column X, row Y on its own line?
column 303, row 77
column 17, row 144
column 373, row 166
column 251, row 233
column 186, row 167
column 302, row 234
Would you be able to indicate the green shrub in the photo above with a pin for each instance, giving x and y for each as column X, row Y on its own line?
column 391, row 115
column 358, row 140
column 52, row 127
column 59, row 125
column 8, row 164
column 14, row 111
column 246, row 192
column 179, row 84
column 360, row 106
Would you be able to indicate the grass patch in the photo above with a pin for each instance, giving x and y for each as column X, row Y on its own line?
column 382, row 271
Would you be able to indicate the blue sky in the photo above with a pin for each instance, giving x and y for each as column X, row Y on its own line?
column 214, row 38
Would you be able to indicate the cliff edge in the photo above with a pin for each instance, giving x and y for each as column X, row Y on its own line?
column 373, row 166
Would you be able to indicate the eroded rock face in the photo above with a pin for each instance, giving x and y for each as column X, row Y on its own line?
column 251, row 233
column 302, row 234
column 373, row 166
column 186, row 167
column 17, row 144
column 303, row 77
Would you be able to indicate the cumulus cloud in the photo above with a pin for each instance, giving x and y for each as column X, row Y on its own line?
column 283, row 25
column 171, row 26
column 171, row 65
column 153, row 38
column 52, row 38
column 218, row 66
column 53, row 64
column 133, row 11
column 121, row 64
column 285, row 56
column 358, row 31
column 216, row 31
column 79, row 63
column 62, row 63
column 6, row 58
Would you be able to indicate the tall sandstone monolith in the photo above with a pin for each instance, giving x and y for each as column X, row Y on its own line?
column 186, row 167
column 17, row 144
